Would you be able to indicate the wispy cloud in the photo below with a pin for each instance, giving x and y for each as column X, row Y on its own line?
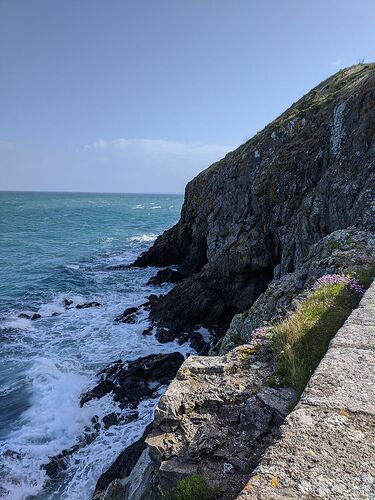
column 127, row 165
column 156, row 146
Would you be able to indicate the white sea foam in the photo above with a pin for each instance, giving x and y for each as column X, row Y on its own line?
column 143, row 238
column 72, row 266
column 73, row 343
column 155, row 207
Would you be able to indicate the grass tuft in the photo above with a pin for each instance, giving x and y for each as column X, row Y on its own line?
column 301, row 340
column 192, row 488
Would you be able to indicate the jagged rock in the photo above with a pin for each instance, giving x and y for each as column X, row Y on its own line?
column 24, row 316
column 216, row 418
column 198, row 343
column 67, row 302
column 255, row 215
column 87, row 305
column 128, row 316
column 167, row 275
column 110, row 485
column 136, row 380
column 35, row 316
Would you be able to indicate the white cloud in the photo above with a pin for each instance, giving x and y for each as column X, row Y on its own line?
column 156, row 146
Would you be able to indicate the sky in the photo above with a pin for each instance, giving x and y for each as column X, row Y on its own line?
column 141, row 95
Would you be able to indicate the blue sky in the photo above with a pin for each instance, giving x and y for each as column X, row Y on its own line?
column 139, row 96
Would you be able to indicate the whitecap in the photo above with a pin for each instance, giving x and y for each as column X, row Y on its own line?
column 144, row 237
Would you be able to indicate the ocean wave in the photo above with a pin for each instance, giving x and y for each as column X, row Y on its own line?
column 72, row 266
column 144, row 238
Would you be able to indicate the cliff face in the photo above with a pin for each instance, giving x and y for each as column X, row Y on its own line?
column 255, row 215
column 256, row 230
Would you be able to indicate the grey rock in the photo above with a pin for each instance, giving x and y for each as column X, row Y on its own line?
column 216, row 412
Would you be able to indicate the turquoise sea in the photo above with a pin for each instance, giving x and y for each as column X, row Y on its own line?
column 56, row 246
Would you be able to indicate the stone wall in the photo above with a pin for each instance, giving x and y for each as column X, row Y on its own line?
column 327, row 444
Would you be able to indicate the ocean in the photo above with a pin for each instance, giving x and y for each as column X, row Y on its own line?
column 56, row 246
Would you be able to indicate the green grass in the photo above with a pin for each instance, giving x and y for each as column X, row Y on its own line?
column 301, row 340
column 192, row 488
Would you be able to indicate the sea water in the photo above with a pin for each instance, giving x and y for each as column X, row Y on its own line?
column 56, row 246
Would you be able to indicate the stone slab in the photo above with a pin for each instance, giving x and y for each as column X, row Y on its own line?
column 322, row 453
column 351, row 335
column 345, row 379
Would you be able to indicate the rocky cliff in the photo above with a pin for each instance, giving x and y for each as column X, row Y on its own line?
column 257, row 228
column 257, row 215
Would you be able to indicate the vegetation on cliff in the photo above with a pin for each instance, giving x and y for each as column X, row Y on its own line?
column 302, row 339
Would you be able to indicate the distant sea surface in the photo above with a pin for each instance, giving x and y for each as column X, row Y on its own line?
column 56, row 246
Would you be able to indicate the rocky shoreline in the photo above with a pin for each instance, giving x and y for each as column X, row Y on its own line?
column 257, row 228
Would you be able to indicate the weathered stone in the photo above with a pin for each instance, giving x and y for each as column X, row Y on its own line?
column 337, row 379
column 213, row 414
column 321, row 454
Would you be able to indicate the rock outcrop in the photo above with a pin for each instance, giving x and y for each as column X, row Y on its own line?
column 256, row 214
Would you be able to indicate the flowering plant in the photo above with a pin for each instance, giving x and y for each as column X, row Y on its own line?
column 340, row 279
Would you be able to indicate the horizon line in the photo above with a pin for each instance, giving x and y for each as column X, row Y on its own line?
column 166, row 193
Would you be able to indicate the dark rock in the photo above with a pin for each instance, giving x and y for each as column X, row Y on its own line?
column 55, row 314
column 101, row 389
column 87, row 305
column 150, row 302
column 198, row 343
column 118, row 267
column 67, row 303
column 123, row 465
column 164, row 335
column 147, row 331
column 255, row 214
column 167, row 275
column 116, row 418
column 152, row 297
column 36, row 316
column 128, row 316
column 136, row 380
column 24, row 316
